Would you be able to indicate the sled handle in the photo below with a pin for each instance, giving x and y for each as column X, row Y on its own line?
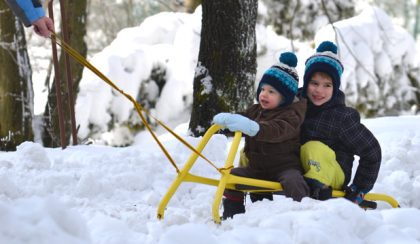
column 373, row 197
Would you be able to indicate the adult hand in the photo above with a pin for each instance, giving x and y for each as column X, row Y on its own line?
column 43, row 26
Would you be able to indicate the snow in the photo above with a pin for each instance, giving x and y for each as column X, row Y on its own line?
column 168, row 39
column 101, row 194
column 107, row 195
column 370, row 46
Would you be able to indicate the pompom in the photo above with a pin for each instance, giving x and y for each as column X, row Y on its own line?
column 288, row 58
column 327, row 46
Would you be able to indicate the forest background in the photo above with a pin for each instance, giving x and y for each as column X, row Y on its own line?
column 376, row 88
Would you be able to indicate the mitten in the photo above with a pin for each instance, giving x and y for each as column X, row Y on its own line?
column 352, row 193
column 221, row 118
column 237, row 122
column 318, row 190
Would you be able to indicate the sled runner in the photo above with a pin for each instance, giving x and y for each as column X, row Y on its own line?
column 240, row 183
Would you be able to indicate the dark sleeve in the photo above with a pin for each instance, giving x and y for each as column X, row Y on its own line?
column 280, row 129
column 361, row 142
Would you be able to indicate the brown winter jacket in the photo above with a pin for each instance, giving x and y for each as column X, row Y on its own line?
column 276, row 146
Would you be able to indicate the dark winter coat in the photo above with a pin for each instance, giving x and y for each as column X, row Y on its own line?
column 276, row 146
column 339, row 127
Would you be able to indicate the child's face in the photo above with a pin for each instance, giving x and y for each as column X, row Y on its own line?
column 320, row 88
column 269, row 97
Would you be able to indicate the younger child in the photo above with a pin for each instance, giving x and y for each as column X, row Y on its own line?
column 271, row 130
column 332, row 133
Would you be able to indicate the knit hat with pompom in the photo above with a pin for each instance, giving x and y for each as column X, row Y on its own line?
column 324, row 60
column 283, row 77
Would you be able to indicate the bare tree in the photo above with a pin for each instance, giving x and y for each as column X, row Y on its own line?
column 107, row 18
column 299, row 20
column 16, row 93
column 225, row 73
column 76, row 21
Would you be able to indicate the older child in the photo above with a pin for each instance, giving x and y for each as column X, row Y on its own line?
column 271, row 130
column 332, row 133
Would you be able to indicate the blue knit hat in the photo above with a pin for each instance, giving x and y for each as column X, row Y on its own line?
column 283, row 77
column 324, row 60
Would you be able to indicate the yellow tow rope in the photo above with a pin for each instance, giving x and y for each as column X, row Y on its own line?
column 66, row 47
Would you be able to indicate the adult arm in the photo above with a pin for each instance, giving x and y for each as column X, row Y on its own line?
column 30, row 12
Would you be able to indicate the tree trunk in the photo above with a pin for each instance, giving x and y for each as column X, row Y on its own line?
column 76, row 22
column 225, row 73
column 16, row 93
column 416, row 20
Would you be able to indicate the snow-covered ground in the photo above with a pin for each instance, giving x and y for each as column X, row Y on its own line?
column 106, row 195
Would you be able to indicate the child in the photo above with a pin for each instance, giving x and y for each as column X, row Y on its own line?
column 271, row 130
column 332, row 133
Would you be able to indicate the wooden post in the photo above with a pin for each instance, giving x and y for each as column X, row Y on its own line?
column 57, row 72
column 66, row 38
column 57, row 84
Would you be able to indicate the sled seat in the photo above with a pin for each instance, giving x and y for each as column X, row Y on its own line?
column 234, row 182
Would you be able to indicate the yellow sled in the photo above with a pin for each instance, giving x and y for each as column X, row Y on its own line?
column 235, row 182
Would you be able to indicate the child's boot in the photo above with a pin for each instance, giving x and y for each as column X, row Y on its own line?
column 232, row 207
column 318, row 190
column 260, row 196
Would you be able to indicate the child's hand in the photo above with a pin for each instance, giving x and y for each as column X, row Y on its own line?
column 237, row 122
column 354, row 194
